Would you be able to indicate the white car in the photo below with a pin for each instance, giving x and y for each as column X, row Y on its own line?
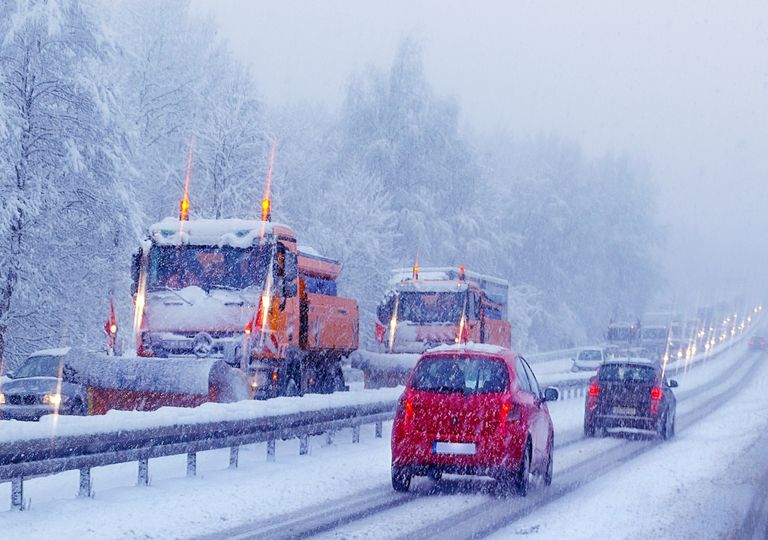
column 588, row 359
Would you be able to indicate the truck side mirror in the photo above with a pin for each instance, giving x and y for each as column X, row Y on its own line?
column 290, row 279
column 135, row 272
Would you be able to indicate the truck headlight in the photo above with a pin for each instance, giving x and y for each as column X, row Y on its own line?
column 54, row 399
column 2, row 398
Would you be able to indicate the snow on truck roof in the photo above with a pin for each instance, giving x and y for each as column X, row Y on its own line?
column 222, row 232
column 446, row 279
column 60, row 351
column 443, row 273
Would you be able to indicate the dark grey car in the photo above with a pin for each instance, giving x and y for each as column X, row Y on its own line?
column 630, row 393
column 44, row 384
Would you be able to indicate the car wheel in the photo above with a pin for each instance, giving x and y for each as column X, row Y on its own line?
column 401, row 479
column 523, row 480
column 672, row 427
column 550, row 467
column 589, row 429
column 663, row 428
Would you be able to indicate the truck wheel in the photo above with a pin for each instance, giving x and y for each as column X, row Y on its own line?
column 291, row 388
column 339, row 383
column 294, row 373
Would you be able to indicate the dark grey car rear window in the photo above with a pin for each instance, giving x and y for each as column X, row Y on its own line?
column 461, row 374
column 626, row 373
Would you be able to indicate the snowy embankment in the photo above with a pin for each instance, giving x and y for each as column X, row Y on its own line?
column 59, row 426
column 219, row 498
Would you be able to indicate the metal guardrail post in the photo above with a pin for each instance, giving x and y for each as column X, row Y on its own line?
column 85, row 483
column 303, row 445
column 17, row 493
column 191, row 464
column 379, row 429
column 356, row 433
column 271, row 450
column 143, row 472
column 234, row 456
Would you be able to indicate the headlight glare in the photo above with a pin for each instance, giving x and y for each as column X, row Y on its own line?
column 53, row 399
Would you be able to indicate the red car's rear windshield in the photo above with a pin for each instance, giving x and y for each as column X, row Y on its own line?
column 460, row 374
column 626, row 373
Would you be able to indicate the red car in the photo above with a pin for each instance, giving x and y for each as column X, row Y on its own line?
column 473, row 409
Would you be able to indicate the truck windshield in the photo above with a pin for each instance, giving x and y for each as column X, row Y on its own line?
column 207, row 267
column 620, row 333
column 427, row 307
column 655, row 333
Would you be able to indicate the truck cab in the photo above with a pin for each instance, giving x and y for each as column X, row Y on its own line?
column 242, row 290
column 440, row 306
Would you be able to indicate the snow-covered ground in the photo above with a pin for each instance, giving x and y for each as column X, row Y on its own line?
column 219, row 498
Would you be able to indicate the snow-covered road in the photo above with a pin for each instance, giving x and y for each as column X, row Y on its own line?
column 345, row 479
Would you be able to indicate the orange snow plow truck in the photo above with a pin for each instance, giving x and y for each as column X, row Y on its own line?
column 245, row 292
column 442, row 305
column 428, row 308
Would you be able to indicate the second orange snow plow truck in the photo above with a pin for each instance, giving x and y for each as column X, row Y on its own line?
column 442, row 305
column 242, row 290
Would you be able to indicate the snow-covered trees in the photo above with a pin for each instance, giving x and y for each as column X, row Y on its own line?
column 396, row 128
column 99, row 108
column 53, row 157
column 573, row 236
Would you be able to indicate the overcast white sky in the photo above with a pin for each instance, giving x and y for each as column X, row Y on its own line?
column 680, row 86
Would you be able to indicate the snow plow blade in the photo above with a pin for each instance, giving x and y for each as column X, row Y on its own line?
column 384, row 369
column 146, row 384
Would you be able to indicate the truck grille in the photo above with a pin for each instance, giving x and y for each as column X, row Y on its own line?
column 23, row 400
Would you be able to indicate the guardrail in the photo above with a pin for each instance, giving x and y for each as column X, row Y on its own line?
column 535, row 358
column 42, row 457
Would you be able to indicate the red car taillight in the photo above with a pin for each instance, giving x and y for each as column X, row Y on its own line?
column 594, row 391
column 656, row 394
column 510, row 413
column 404, row 410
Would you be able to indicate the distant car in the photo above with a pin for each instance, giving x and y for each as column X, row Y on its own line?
column 630, row 393
column 473, row 410
column 758, row 344
column 588, row 359
column 43, row 384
